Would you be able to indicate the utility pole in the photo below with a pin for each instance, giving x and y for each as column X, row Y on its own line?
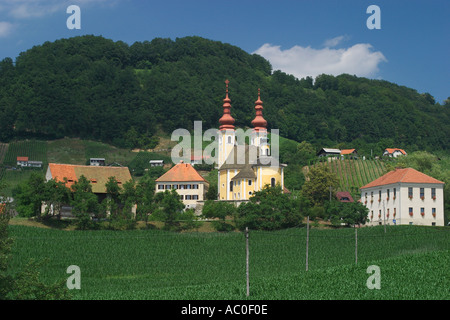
column 247, row 261
column 307, row 242
column 356, row 245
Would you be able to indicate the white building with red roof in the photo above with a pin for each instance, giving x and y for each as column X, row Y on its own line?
column 394, row 152
column 404, row 196
column 188, row 183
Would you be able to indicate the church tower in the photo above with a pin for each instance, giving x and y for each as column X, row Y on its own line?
column 227, row 136
column 259, row 136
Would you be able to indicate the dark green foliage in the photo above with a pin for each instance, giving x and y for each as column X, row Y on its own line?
column 346, row 213
column 270, row 209
column 220, row 210
column 92, row 87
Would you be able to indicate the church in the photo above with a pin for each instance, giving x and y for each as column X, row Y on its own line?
column 245, row 168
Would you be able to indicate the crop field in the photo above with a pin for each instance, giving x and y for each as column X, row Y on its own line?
column 354, row 173
column 154, row 264
column 35, row 150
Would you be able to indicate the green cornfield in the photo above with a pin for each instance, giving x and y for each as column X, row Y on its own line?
column 154, row 264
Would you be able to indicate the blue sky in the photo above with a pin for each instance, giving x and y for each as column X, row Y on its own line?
column 301, row 37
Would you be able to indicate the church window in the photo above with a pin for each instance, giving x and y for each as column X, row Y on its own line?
column 231, row 186
column 272, row 182
column 249, row 182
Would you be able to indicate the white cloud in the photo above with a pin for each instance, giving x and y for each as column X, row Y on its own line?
column 359, row 59
column 5, row 28
column 335, row 41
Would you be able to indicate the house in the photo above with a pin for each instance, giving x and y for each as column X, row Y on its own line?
column 324, row 152
column 394, row 152
column 34, row 164
column 156, row 163
column 188, row 183
column 22, row 161
column 97, row 175
column 351, row 153
column 344, row 196
column 404, row 196
column 97, row 161
column 247, row 168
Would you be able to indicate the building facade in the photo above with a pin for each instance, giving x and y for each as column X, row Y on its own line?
column 404, row 196
column 188, row 183
column 245, row 168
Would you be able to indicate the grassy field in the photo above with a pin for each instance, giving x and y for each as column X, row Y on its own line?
column 153, row 264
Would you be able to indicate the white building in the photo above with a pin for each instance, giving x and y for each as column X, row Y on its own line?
column 404, row 196
column 394, row 152
column 188, row 183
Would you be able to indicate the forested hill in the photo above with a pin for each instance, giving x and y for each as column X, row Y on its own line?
column 95, row 88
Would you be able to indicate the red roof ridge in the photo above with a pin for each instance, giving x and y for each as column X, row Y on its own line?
column 405, row 175
column 181, row 172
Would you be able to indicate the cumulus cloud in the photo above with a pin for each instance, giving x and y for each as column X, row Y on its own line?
column 359, row 59
column 5, row 28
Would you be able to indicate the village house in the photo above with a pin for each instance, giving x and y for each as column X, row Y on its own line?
column 325, row 152
column 350, row 153
column 97, row 161
column 404, row 196
column 24, row 162
column 98, row 176
column 187, row 182
column 344, row 196
column 394, row 152
column 156, row 163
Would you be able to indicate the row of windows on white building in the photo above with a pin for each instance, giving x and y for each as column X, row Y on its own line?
column 177, row 186
column 410, row 211
column 422, row 193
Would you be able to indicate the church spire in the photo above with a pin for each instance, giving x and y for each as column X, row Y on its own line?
column 259, row 123
column 227, row 120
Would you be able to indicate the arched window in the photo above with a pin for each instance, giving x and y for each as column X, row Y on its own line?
column 229, row 139
column 231, row 186
column 272, row 182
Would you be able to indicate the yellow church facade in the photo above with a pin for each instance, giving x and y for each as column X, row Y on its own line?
column 244, row 169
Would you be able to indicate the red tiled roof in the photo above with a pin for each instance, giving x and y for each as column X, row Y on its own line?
column 181, row 172
column 402, row 175
column 344, row 196
column 22, row 158
column 391, row 150
column 347, row 151
column 98, row 175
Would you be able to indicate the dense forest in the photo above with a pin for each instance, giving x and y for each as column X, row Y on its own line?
column 94, row 88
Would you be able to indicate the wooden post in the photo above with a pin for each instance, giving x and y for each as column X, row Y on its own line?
column 356, row 245
column 247, row 260
column 307, row 242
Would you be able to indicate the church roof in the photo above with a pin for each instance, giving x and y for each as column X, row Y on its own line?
column 245, row 173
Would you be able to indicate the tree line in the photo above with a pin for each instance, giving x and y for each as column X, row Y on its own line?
column 94, row 88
